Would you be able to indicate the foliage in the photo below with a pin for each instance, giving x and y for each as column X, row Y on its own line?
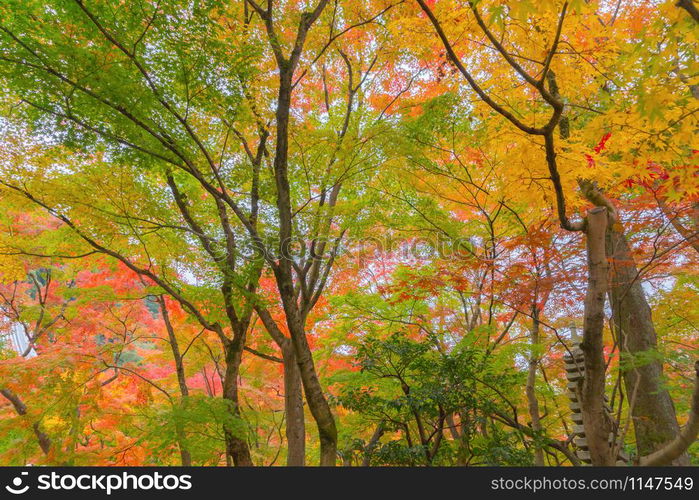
column 189, row 191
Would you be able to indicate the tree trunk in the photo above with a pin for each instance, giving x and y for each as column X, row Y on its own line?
column 293, row 406
column 597, row 426
column 653, row 413
column 181, row 436
column 236, row 445
column 533, row 403
column 317, row 402
column 185, row 456
column 675, row 449
column 372, row 444
column 293, row 392
column 295, row 320
column 654, row 418
column 21, row 409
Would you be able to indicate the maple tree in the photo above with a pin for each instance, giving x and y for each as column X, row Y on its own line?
column 222, row 220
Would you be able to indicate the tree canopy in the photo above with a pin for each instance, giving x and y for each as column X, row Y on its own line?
column 399, row 232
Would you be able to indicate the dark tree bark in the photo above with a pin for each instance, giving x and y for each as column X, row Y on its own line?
column 236, row 445
column 293, row 406
column 293, row 392
column 690, row 7
column 317, row 402
column 654, row 418
column 295, row 312
column 21, row 409
column 463, row 454
column 653, row 413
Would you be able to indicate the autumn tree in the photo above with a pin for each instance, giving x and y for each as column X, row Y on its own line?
column 388, row 217
column 545, row 79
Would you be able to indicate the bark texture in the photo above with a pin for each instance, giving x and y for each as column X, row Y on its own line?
column 597, row 426
column 653, row 413
column 654, row 418
column 293, row 406
column 293, row 392
column 236, row 444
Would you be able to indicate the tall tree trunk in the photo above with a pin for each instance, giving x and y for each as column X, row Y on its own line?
column 293, row 406
column 236, row 445
column 533, row 402
column 597, row 426
column 654, row 418
column 293, row 392
column 317, row 402
column 180, row 434
column 653, row 412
